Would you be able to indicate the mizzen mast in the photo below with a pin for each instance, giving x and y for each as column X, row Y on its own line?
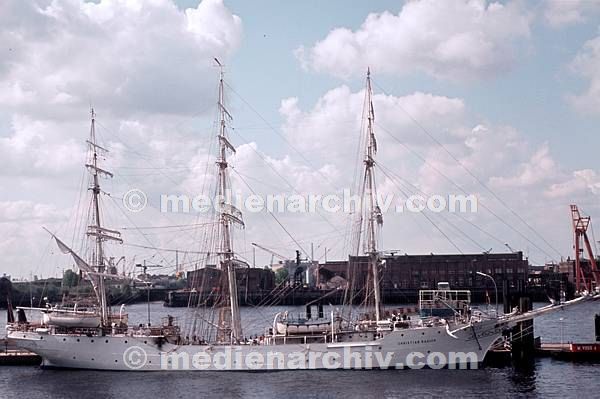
column 230, row 328
column 95, row 230
column 373, row 219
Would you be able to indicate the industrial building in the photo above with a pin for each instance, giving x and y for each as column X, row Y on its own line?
column 251, row 279
column 404, row 275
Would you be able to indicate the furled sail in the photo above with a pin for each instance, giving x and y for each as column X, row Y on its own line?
column 81, row 264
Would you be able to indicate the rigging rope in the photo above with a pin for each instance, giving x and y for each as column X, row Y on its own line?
column 465, row 192
column 479, row 181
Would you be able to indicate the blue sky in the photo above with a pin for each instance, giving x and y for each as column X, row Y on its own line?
column 530, row 97
column 510, row 89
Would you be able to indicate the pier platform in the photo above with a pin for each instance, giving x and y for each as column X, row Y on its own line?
column 570, row 351
column 11, row 356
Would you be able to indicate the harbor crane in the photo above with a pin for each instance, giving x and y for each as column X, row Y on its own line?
column 273, row 253
column 581, row 240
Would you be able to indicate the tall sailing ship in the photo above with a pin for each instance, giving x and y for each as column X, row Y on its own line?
column 99, row 339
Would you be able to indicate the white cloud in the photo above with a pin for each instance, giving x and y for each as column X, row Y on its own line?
column 146, row 65
column 331, row 129
column 520, row 172
column 578, row 183
column 147, row 68
column 540, row 167
column 455, row 39
column 24, row 211
column 38, row 148
column 587, row 65
column 561, row 13
column 124, row 56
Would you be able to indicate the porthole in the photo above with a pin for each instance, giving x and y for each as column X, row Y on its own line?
column 125, row 341
column 91, row 340
column 78, row 339
column 64, row 339
column 106, row 341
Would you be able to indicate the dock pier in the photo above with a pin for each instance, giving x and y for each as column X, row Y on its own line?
column 570, row 351
column 12, row 356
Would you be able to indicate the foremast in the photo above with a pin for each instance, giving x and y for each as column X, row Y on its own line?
column 229, row 327
column 372, row 216
column 95, row 230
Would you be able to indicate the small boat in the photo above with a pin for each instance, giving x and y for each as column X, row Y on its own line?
column 286, row 324
column 70, row 319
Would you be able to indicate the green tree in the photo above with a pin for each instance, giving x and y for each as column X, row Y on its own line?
column 281, row 275
column 70, row 278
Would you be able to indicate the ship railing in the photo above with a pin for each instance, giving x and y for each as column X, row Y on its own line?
column 169, row 321
column 300, row 318
column 442, row 303
column 75, row 331
column 427, row 296
column 478, row 314
column 24, row 327
column 295, row 339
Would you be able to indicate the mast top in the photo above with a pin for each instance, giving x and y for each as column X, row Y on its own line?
column 221, row 69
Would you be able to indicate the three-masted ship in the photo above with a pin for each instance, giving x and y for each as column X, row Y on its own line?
column 98, row 339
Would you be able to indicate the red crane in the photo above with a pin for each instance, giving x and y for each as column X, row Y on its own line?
column 580, row 227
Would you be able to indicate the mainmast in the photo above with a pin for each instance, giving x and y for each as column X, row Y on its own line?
column 229, row 313
column 96, row 230
column 373, row 216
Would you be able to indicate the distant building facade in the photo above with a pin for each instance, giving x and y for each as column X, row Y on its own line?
column 249, row 279
column 407, row 274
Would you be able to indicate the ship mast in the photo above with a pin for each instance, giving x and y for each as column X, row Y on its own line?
column 229, row 313
column 96, row 230
column 374, row 218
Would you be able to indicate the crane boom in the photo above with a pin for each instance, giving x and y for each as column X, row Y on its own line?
column 580, row 227
column 282, row 257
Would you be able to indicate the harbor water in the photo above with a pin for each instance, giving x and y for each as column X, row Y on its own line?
column 543, row 378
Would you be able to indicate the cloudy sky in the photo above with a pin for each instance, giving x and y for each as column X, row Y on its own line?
column 497, row 99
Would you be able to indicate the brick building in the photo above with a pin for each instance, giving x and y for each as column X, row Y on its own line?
column 405, row 275
column 249, row 279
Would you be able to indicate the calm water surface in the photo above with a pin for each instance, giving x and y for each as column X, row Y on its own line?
column 544, row 378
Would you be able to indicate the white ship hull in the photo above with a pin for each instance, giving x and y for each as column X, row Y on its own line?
column 398, row 349
column 462, row 347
